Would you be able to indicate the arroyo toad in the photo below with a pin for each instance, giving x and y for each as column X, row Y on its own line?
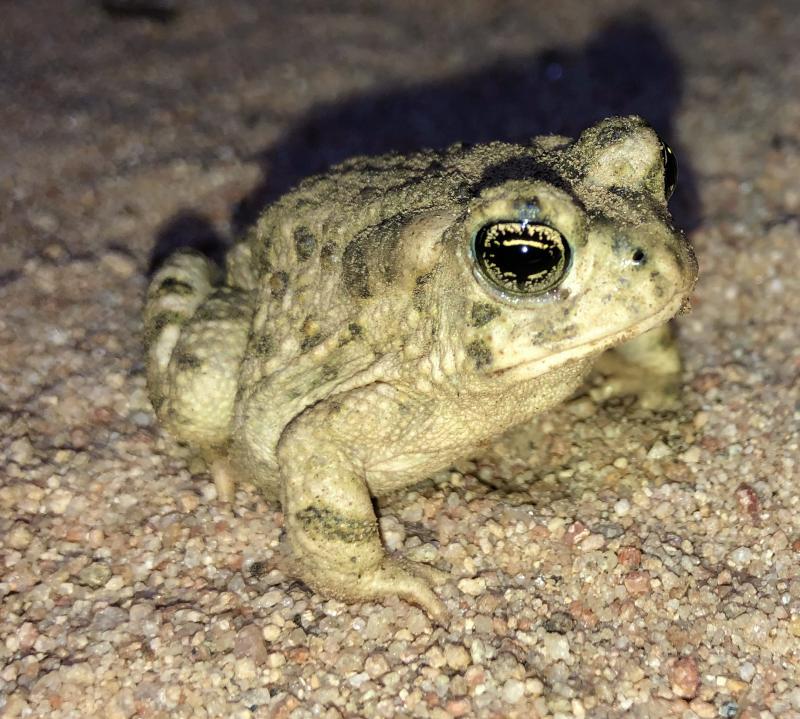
column 383, row 319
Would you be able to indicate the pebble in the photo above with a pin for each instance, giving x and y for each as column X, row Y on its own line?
column 559, row 622
column 747, row 499
column 458, row 707
column 747, row 671
column 142, row 618
column 513, row 690
column 622, row 507
column 418, row 622
column 109, row 618
column 593, row 542
column 456, row 656
column 684, row 677
column 637, row 582
column 376, row 665
column 19, row 536
column 576, row 533
column 691, row 455
column 556, row 646
column 245, row 669
column 357, row 680
column 741, row 555
column 629, row 557
column 473, row 587
column 58, row 501
column 377, row 624
column 142, row 419
column 250, row 643
column 271, row 632
column 27, row 636
column 703, row 709
column 659, row 450
column 794, row 626
column 21, row 451
column 188, row 502
column 95, row 575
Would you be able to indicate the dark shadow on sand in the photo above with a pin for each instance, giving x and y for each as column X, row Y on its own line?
column 627, row 68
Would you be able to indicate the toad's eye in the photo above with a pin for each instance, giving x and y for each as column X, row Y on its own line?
column 670, row 168
column 521, row 258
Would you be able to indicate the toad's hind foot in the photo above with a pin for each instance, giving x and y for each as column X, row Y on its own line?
column 224, row 478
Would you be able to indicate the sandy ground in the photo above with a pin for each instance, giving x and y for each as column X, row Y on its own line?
column 636, row 564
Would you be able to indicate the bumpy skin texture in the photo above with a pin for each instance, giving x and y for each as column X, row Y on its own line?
column 353, row 346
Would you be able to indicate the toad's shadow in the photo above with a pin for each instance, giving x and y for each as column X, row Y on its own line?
column 627, row 68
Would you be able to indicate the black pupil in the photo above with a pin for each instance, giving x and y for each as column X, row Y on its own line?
column 670, row 168
column 520, row 257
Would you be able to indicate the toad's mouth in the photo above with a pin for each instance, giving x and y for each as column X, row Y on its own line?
column 589, row 347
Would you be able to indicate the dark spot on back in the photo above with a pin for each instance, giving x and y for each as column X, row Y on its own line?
column 355, row 272
column 278, row 283
column 327, row 253
column 304, row 243
column 480, row 353
column 372, row 255
column 328, row 373
column 483, row 313
column 354, row 330
column 263, row 346
column 311, row 341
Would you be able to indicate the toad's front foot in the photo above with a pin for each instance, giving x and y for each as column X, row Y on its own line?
column 406, row 580
column 648, row 367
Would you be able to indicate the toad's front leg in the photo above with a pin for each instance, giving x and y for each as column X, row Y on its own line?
column 331, row 528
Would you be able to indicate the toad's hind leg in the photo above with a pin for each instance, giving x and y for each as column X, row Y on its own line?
column 196, row 335
column 331, row 528
column 648, row 366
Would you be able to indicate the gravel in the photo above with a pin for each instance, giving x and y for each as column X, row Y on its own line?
column 605, row 561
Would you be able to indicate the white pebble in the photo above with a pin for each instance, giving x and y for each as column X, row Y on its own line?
column 473, row 587
column 556, row 646
column 747, row 671
column 622, row 507
column 742, row 555
column 513, row 690
column 658, row 451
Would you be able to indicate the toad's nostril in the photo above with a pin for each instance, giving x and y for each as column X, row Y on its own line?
column 639, row 257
